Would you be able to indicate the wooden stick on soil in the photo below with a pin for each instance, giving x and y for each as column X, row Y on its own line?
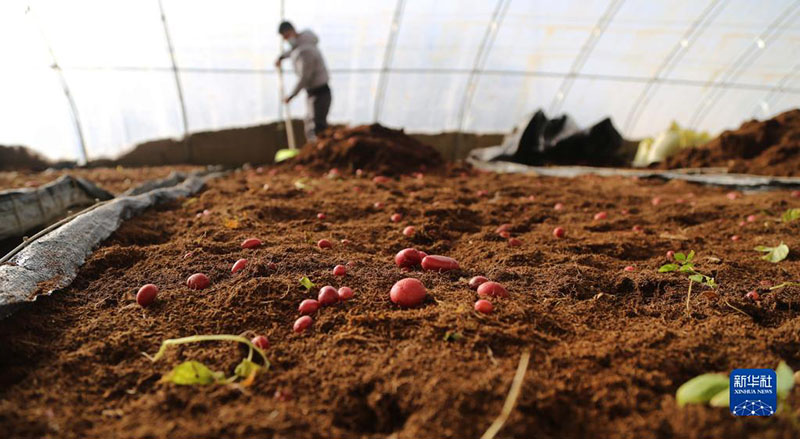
column 511, row 398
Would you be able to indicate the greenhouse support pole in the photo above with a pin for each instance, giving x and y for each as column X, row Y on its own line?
column 178, row 85
column 474, row 75
column 70, row 100
column 699, row 25
column 744, row 61
column 583, row 55
column 387, row 60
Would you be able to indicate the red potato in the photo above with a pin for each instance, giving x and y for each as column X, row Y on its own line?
column 732, row 195
column 345, row 293
column 251, row 243
column 476, row 281
column 503, row 228
column 409, row 231
column 637, row 228
column 796, row 194
column 600, row 216
column 514, row 242
column 260, row 342
column 321, row 216
column 345, row 241
column 751, row 218
column 239, row 265
column 408, row 292
column 559, row 232
column 439, row 263
column 302, row 323
column 359, row 172
column 407, row 257
column 380, row 179
column 629, row 268
column 670, row 254
column 339, row 270
column 505, row 234
column 655, row 201
column 327, row 295
column 308, row 306
column 558, row 206
column 324, row 243
column 198, row 281
column 753, row 295
column 378, row 205
column 396, row 217
column 735, row 238
column 742, row 223
column 492, row 289
column 482, row 193
column 146, row 295
column 484, row 306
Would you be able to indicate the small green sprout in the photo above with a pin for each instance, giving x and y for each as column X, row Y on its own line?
column 790, row 215
column 784, row 285
column 774, row 254
column 194, row 372
column 306, row 282
column 687, row 266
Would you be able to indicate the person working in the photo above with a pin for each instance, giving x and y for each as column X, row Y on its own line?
column 312, row 76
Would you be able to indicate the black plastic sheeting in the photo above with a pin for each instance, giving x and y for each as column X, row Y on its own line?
column 22, row 210
column 539, row 140
column 743, row 182
column 56, row 257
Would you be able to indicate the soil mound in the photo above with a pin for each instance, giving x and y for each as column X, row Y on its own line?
column 372, row 148
column 20, row 157
column 770, row 147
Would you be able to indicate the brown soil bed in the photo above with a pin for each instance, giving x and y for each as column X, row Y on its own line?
column 608, row 347
column 114, row 180
column 372, row 148
column 769, row 147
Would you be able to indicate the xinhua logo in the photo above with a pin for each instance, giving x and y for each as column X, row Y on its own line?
column 753, row 392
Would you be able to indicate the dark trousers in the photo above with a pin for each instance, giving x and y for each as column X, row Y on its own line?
column 319, row 102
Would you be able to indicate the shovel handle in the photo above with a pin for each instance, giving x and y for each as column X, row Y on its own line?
column 287, row 119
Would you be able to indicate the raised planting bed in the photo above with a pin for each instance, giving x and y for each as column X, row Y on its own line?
column 610, row 337
column 115, row 180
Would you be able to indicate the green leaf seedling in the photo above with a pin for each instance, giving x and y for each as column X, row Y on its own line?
column 774, row 254
column 196, row 373
column 687, row 266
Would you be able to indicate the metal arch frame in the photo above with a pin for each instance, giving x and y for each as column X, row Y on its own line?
column 699, row 25
column 583, row 55
column 487, row 43
column 742, row 63
column 64, row 86
column 778, row 88
column 484, row 72
column 175, row 71
column 388, row 56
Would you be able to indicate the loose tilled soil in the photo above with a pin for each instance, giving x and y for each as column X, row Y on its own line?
column 114, row 180
column 608, row 347
column 770, row 147
column 369, row 148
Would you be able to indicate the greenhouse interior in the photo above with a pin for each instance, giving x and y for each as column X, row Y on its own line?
column 386, row 218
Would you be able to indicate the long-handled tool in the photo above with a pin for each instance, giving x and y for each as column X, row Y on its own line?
column 285, row 153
